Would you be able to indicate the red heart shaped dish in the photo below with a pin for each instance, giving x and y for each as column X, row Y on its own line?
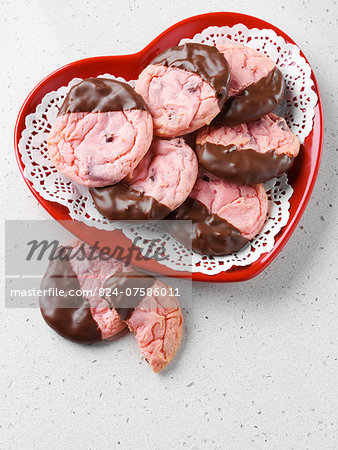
column 253, row 165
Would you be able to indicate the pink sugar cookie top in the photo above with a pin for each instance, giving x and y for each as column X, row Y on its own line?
column 268, row 133
column 157, row 322
column 167, row 172
column 244, row 207
column 92, row 273
column 247, row 65
column 180, row 102
column 98, row 149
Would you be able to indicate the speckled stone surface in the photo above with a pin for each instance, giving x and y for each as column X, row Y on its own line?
column 258, row 365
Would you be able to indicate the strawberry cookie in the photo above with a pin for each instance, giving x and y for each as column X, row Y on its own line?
column 159, row 184
column 257, row 85
column 224, row 215
column 249, row 153
column 102, row 132
column 184, row 87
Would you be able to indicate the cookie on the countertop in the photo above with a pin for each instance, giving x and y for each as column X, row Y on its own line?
column 249, row 153
column 102, row 132
column 257, row 85
column 83, row 319
column 155, row 318
column 185, row 87
column 224, row 215
column 160, row 183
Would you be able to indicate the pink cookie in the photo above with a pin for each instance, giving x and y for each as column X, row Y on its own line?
column 157, row 322
column 184, row 87
column 102, row 132
column 85, row 317
column 249, row 153
column 256, row 88
column 224, row 215
column 159, row 184
column 151, row 311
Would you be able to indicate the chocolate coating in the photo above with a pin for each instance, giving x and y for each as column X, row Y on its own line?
column 120, row 202
column 204, row 60
column 101, row 95
column 76, row 322
column 210, row 234
column 190, row 139
column 244, row 166
column 124, row 304
column 254, row 102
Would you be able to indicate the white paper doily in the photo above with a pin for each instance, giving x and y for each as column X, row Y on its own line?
column 298, row 110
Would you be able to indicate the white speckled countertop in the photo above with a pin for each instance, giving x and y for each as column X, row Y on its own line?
column 259, row 361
